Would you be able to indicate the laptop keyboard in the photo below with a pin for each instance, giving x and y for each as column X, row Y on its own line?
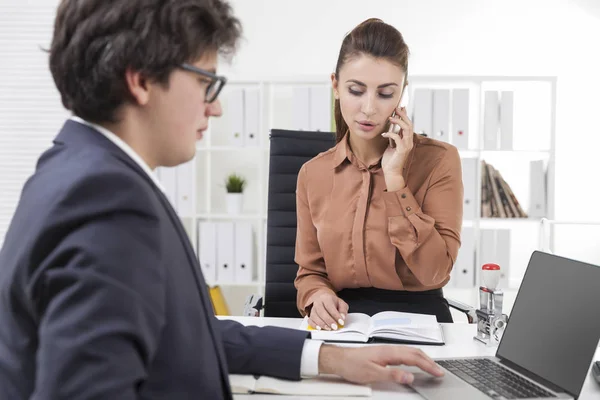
column 493, row 379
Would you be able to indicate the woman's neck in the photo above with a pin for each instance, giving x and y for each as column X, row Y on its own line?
column 369, row 152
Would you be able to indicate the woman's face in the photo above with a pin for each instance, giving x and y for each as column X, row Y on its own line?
column 369, row 91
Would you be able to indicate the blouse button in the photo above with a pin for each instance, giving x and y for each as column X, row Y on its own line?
column 403, row 195
column 408, row 209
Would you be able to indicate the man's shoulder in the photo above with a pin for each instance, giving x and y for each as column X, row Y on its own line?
column 87, row 177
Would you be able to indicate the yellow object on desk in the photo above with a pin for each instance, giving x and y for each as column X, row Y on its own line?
column 218, row 301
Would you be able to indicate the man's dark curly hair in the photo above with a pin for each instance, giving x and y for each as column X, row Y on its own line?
column 96, row 41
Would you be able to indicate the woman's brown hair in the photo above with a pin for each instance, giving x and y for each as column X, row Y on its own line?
column 377, row 39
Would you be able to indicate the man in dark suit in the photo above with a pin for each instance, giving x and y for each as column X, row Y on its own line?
column 101, row 293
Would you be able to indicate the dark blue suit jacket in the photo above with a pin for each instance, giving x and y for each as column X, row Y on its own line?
column 102, row 297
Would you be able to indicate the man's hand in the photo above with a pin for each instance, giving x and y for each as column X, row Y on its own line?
column 368, row 364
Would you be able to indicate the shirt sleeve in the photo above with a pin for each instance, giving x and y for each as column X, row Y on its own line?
column 312, row 273
column 309, row 363
column 428, row 236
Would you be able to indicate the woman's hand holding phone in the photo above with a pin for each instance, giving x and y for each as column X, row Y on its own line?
column 394, row 158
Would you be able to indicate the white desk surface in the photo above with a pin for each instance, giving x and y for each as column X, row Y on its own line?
column 459, row 343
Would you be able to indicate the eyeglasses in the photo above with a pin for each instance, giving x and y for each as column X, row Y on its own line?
column 216, row 82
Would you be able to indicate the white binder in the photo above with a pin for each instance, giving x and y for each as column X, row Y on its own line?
column 503, row 256
column 490, row 121
column 469, row 177
column 537, row 190
column 235, row 116
column 225, row 252
column 506, row 120
column 422, row 111
column 301, row 108
column 495, row 248
column 168, row 178
column 320, row 108
column 185, row 187
column 207, row 250
column 464, row 267
column 441, row 115
column 460, row 118
column 244, row 257
column 251, row 117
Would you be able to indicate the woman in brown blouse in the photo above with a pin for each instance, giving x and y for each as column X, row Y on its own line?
column 379, row 215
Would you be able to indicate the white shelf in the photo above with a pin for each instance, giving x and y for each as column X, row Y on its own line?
column 233, row 217
column 470, row 153
column 507, row 221
column 231, row 148
column 216, row 156
column 251, row 284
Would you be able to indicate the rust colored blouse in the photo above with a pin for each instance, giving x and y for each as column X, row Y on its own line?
column 353, row 233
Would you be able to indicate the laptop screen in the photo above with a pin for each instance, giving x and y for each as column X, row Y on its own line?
column 554, row 326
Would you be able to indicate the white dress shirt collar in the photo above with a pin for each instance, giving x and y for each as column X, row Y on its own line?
column 120, row 143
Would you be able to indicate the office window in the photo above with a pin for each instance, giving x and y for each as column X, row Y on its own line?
column 30, row 109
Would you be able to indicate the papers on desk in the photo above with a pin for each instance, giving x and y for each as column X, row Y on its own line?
column 387, row 326
column 323, row 385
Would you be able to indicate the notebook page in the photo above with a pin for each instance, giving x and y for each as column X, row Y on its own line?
column 327, row 386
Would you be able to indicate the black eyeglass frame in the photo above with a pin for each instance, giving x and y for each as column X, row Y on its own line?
column 215, row 80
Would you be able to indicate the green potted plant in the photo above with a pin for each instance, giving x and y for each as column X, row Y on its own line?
column 235, row 185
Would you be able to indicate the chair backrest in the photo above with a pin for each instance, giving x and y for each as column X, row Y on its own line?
column 288, row 151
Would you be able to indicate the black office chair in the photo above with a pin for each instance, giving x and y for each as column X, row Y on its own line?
column 289, row 151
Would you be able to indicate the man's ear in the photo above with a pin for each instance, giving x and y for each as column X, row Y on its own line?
column 138, row 85
column 334, row 85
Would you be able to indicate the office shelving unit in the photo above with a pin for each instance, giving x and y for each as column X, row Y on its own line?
column 216, row 156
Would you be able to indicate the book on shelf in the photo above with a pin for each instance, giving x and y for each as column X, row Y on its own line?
column 386, row 326
column 322, row 386
column 497, row 198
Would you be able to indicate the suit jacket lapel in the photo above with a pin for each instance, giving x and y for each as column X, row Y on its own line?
column 206, row 302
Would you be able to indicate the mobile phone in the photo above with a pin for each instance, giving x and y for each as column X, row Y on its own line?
column 402, row 103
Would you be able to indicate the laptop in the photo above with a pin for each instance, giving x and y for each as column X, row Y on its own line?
column 547, row 346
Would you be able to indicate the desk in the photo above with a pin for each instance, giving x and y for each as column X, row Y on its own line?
column 459, row 343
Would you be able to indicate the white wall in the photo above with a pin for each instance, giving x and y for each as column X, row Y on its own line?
column 466, row 37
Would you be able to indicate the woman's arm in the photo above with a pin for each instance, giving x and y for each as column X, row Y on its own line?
column 312, row 273
column 428, row 237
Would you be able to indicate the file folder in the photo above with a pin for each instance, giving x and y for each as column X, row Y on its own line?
column 244, row 257
column 235, row 117
column 168, row 178
column 422, row 111
column 320, row 108
column 185, row 187
column 225, row 252
column 460, row 118
column 503, row 256
column 207, row 251
column 490, row 121
column 463, row 271
column 495, row 248
column 441, row 115
column 537, row 189
column 301, row 108
column 251, row 117
column 469, row 177
column 506, row 120
column 218, row 301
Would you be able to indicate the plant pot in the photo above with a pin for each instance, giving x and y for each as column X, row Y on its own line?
column 234, row 202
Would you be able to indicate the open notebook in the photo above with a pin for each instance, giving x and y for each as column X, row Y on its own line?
column 387, row 326
column 325, row 386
